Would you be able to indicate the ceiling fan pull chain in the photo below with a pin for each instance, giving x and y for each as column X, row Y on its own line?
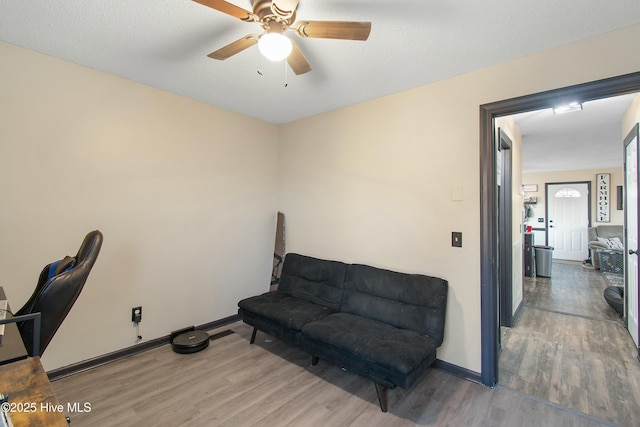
column 259, row 70
column 286, row 73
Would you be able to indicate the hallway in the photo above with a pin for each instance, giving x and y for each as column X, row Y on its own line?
column 570, row 348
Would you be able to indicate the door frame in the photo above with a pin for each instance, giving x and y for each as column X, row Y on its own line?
column 489, row 292
column 505, row 226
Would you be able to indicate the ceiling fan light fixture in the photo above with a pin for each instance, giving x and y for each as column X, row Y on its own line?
column 275, row 46
column 567, row 108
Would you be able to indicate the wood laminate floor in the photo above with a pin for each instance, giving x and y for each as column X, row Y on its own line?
column 556, row 369
column 232, row 383
column 570, row 348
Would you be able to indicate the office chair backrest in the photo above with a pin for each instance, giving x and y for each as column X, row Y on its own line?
column 58, row 288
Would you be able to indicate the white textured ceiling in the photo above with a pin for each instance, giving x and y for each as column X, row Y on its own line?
column 587, row 139
column 164, row 43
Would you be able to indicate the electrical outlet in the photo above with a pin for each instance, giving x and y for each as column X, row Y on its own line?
column 136, row 314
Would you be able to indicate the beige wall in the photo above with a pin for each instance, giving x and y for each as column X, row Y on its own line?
column 373, row 182
column 184, row 193
column 631, row 117
column 616, row 217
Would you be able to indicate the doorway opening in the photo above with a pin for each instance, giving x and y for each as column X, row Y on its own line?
column 489, row 194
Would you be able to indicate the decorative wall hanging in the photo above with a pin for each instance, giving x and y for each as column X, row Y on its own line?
column 603, row 197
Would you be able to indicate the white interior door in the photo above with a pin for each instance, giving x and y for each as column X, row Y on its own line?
column 568, row 216
column 631, row 238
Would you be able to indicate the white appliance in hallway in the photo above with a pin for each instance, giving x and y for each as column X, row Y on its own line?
column 568, row 216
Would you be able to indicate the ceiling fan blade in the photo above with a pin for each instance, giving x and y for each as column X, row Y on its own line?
column 235, row 47
column 297, row 61
column 228, row 8
column 333, row 30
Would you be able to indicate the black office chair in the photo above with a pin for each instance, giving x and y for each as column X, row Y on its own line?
column 58, row 287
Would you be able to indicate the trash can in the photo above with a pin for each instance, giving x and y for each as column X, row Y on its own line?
column 544, row 257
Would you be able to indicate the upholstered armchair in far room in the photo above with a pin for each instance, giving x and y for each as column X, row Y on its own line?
column 604, row 237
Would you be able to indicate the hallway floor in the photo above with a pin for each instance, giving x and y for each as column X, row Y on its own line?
column 570, row 348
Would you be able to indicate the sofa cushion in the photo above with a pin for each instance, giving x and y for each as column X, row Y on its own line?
column 406, row 301
column 611, row 242
column 605, row 231
column 376, row 349
column 284, row 309
column 315, row 280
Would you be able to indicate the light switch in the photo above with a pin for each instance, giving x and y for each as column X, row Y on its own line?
column 456, row 193
column 456, row 239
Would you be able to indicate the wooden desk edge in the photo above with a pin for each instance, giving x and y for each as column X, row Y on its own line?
column 28, row 387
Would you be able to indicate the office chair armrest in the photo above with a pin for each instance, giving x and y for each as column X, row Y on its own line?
column 33, row 317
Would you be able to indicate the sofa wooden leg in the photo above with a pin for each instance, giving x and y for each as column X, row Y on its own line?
column 382, row 396
column 314, row 360
column 253, row 336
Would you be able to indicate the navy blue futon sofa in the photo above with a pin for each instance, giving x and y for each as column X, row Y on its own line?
column 379, row 324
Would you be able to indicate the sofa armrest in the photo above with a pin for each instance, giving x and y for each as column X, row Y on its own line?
column 597, row 245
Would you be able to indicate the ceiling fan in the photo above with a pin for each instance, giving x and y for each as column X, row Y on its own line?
column 275, row 17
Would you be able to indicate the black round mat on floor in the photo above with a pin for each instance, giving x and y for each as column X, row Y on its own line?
column 614, row 295
column 190, row 342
